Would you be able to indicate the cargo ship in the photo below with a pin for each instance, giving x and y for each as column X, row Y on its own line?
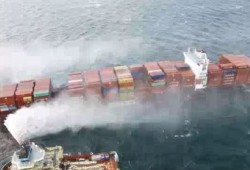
column 139, row 81
column 33, row 156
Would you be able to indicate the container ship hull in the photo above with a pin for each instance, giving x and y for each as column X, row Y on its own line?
column 135, row 82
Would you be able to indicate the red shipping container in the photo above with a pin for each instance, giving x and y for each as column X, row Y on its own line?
column 151, row 66
column 243, row 72
column 7, row 97
column 107, row 70
column 93, row 91
column 136, row 68
column 214, row 75
column 24, row 97
column 166, row 65
column 76, row 92
column 108, row 78
column 91, row 78
column 9, row 86
column 188, row 78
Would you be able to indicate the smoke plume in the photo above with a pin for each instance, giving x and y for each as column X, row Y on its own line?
column 64, row 113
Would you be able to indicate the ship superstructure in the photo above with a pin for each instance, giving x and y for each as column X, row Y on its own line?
column 34, row 157
column 198, row 62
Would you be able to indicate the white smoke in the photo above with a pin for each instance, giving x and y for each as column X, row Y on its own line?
column 64, row 113
column 20, row 62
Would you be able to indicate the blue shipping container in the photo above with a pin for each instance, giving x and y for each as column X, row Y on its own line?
column 137, row 74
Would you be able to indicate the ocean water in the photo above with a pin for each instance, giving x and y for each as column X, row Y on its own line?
column 51, row 38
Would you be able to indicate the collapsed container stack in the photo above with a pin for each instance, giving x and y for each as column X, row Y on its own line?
column 187, row 76
column 155, row 77
column 24, row 93
column 92, row 84
column 42, row 90
column 7, row 98
column 214, row 75
column 109, row 84
column 173, row 77
column 125, row 82
column 241, row 63
column 75, row 85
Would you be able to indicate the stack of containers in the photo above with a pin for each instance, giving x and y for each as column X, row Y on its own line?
column 137, row 71
column 173, row 77
column 228, row 74
column 125, row 82
column 24, row 93
column 75, row 85
column 142, row 89
column 7, row 98
column 109, row 84
column 241, row 63
column 92, row 84
column 214, row 75
column 187, row 76
column 155, row 77
column 43, row 90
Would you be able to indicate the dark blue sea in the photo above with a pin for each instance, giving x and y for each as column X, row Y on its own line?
column 50, row 38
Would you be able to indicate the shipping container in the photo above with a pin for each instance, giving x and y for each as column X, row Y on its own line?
column 76, row 92
column 173, row 77
column 125, row 79
column 240, row 63
column 154, row 75
column 26, row 85
column 92, row 82
column 214, row 75
column 187, row 76
column 24, row 97
column 108, row 78
column 7, row 98
column 42, row 90
column 228, row 74
column 135, row 68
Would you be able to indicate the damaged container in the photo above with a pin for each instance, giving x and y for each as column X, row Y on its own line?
column 173, row 77
column 154, row 75
column 187, row 76
column 137, row 71
column 214, row 75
